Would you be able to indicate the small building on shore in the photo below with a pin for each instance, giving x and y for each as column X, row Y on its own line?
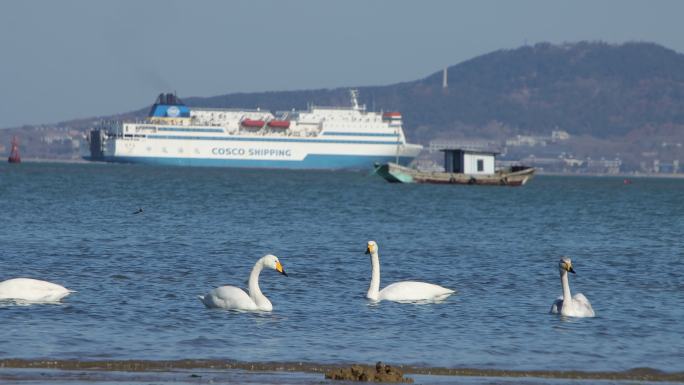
column 469, row 161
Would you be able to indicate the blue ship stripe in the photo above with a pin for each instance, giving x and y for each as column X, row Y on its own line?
column 238, row 139
column 178, row 129
column 339, row 133
column 310, row 162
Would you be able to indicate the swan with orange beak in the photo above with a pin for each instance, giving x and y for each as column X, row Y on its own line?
column 234, row 298
column 568, row 305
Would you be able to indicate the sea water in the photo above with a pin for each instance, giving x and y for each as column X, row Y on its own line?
column 137, row 276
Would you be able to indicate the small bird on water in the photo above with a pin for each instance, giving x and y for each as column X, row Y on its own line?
column 138, row 211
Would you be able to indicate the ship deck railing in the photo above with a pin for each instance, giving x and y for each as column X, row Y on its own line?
column 219, row 109
column 118, row 133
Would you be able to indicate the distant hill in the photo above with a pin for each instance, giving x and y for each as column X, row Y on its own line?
column 616, row 100
column 586, row 88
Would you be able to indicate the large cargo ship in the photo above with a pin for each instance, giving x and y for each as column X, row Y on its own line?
column 318, row 138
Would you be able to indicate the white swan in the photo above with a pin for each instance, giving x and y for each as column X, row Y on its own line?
column 567, row 305
column 32, row 290
column 407, row 291
column 231, row 297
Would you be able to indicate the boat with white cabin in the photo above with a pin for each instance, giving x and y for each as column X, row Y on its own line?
column 461, row 166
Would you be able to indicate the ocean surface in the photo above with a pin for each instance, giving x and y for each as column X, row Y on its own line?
column 137, row 277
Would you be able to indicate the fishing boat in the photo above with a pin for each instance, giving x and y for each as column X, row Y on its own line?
column 14, row 152
column 462, row 166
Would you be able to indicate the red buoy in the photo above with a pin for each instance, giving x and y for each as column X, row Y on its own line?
column 14, row 153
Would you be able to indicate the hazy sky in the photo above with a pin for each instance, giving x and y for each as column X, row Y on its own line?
column 68, row 59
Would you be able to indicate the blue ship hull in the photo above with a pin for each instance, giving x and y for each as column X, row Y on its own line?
column 311, row 162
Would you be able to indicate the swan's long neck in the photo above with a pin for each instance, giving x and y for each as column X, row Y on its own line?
column 567, row 297
column 254, row 290
column 374, row 289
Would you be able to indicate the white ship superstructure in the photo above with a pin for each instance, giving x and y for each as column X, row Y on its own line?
column 318, row 138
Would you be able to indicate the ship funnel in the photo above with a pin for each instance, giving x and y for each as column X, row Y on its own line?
column 168, row 105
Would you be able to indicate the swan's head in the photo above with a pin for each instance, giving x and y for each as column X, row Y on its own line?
column 372, row 247
column 272, row 262
column 565, row 264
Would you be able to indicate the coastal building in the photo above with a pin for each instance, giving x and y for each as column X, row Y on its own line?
column 526, row 140
column 537, row 140
column 668, row 168
column 572, row 165
column 544, row 164
column 557, row 135
column 604, row 166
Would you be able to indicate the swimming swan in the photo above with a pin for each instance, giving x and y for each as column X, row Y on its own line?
column 231, row 297
column 567, row 305
column 407, row 291
column 32, row 290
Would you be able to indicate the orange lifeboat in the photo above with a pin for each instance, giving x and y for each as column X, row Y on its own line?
column 279, row 123
column 253, row 123
column 391, row 115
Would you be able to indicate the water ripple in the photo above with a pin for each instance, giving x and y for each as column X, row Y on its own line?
column 138, row 276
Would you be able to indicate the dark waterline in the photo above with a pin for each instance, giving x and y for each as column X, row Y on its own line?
column 216, row 366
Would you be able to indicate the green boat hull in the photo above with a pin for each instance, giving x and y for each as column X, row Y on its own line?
column 395, row 173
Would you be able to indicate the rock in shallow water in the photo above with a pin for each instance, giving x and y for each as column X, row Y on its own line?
column 381, row 373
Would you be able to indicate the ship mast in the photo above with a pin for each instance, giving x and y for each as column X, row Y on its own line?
column 354, row 93
column 354, row 99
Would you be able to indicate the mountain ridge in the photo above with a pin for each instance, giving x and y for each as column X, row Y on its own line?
column 586, row 88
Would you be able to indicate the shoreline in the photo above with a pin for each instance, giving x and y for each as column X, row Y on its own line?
column 538, row 173
column 620, row 175
column 55, row 160
column 137, row 366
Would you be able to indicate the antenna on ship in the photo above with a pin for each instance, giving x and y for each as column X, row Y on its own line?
column 355, row 100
